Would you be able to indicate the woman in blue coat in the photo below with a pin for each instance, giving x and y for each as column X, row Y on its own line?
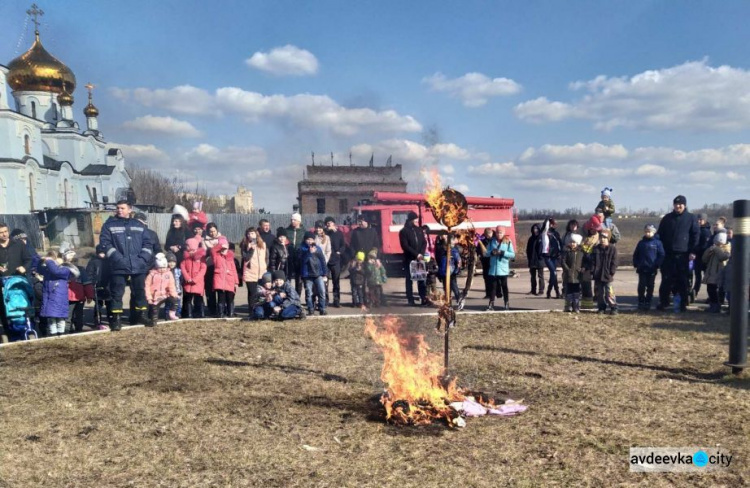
column 500, row 251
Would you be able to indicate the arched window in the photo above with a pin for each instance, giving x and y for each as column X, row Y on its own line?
column 66, row 192
column 27, row 144
column 31, row 191
column 33, row 109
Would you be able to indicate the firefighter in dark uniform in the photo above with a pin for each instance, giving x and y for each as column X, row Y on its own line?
column 129, row 251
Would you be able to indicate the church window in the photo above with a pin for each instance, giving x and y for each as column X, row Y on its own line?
column 33, row 109
column 66, row 192
column 31, row 190
column 27, row 144
column 321, row 203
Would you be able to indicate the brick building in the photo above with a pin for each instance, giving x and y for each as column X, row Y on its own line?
column 336, row 189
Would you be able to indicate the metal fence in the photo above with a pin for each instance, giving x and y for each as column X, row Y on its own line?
column 27, row 223
column 233, row 225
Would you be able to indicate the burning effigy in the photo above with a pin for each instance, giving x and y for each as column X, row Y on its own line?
column 417, row 390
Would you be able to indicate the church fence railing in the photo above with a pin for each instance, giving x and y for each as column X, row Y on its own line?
column 233, row 225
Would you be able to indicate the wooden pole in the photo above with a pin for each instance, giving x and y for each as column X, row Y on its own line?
column 447, row 298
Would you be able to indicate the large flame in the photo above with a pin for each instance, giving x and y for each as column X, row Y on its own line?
column 415, row 390
column 448, row 206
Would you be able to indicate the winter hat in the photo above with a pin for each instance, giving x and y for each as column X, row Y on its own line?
column 161, row 260
column 680, row 199
column 360, row 256
column 266, row 278
column 223, row 242
column 140, row 216
column 309, row 235
column 181, row 211
column 594, row 223
column 18, row 234
column 427, row 256
column 196, row 225
column 361, row 218
column 193, row 244
column 703, row 216
column 411, row 216
column 373, row 254
column 329, row 219
column 171, row 258
column 577, row 238
column 606, row 233
column 720, row 238
column 650, row 228
column 297, row 217
column 197, row 206
column 607, row 192
column 280, row 232
column 319, row 224
column 278, row 275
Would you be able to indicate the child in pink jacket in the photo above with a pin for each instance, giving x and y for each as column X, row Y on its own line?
column 160, row 288
column 225, row 277
column 193, row 268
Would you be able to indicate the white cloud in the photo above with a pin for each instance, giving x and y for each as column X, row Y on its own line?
column 303, row 110
column 574, row 153
column 286, row 60
column 407, row 151
column 691, row 96
column 462, row 188
column 704, row 176
column 141, row 153
column 473, row 89
column 651, row 170
column 556, row 185
column 313, row 111
column 732, row 175
column 508, row 169
column 733, row 155
column 162, row 125
column 204, row 159
column 184, row 99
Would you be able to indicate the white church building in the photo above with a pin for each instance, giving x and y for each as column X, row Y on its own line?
column 46, row 160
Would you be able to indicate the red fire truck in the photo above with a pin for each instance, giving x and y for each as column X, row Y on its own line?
column 387, row 214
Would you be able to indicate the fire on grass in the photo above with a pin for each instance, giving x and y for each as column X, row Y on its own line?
column 417, row 391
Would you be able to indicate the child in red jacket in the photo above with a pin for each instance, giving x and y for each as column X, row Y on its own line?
column 160, row 288
column 193, row 268
column 225, row 277
column 80, row 291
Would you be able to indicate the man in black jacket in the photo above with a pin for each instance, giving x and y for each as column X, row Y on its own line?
column 336, row 260
column 413, row 243
column 364, row 237
column 705, row 240
column 14, row 260
column 679, row 232
column 129, row 250
column 264, row 232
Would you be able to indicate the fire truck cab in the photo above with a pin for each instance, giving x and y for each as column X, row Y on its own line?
column 387, row 214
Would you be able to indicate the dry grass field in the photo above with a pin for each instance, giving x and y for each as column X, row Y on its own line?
column 241, row 404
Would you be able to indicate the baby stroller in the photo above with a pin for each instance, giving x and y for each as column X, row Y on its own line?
column 18, row 297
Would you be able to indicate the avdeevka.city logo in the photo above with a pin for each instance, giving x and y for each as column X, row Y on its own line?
column 678, row 459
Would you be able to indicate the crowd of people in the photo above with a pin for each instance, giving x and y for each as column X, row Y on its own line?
column 197, row 272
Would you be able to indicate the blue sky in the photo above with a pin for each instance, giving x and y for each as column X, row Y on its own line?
column 544, row 102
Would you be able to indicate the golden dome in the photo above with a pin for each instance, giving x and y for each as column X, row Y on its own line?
column 38, row 70
column 65, row 98
column 90, row 111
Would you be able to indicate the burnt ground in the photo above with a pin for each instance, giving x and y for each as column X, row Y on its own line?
column 247, row 404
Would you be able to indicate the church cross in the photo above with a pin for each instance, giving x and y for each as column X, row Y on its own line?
column 90, row 87
column 35, row 12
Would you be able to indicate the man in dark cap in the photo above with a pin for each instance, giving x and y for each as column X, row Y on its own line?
column 679, row 232
column 338, row 245
column 413, row 243
column 364, row 237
